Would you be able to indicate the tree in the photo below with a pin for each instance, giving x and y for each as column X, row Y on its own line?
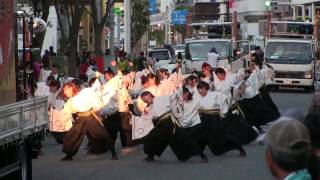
column 158, row 35
column 99, row 21
column 139, row 19
column 71, row 12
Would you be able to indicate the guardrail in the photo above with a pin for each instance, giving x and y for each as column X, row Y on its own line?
column 21, row 119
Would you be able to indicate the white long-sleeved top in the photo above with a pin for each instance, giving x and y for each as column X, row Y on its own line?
column 186, row 112
column 252, row 86
column 191, row 115
column 84, row 101
column 160, row 106
column 54, row 102
column 167, row 87
column 209, row 102
column 213, row 59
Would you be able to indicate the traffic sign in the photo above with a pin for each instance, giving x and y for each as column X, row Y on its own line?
column 152, row 6
column 179, row 17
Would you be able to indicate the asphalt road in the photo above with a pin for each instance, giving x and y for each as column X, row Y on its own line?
column 131, row 166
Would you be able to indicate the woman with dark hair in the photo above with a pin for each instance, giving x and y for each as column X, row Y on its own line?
column 189, row 119
column 208, row 76
column 192, row 81
column 57, row 127
column 84, row 106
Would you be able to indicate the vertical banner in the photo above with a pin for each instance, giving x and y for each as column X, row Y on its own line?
column 152, row 6
column 7, row 53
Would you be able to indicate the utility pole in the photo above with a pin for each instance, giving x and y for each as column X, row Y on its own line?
column 111, row 27
column 127, row 26
column 118, row 31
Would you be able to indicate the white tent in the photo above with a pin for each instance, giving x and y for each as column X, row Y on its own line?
column 51, row 36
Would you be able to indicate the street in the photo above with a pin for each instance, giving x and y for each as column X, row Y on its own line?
column 131, row 166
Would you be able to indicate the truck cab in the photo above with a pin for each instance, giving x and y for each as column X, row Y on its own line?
column 230, row 53
column 293, row 61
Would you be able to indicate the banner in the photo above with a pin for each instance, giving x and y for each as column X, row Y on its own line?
column 7, row 53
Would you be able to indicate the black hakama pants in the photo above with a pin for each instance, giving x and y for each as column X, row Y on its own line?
column 271, row 106
column 164, row 134
column 219, row 140
column 87, row 124
column 112, row 124
column 257, row 112
column 238, row 126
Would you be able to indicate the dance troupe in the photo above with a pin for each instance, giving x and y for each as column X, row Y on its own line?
column 214, row 108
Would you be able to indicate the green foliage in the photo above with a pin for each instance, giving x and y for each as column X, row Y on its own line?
column 140, row 20
column 157, row 35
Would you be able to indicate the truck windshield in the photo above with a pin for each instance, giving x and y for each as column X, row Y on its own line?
column 160, row 55
column 289, row 53
column 198, row 51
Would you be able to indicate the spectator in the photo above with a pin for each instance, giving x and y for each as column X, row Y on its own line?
column 141, row 61
column 312, row 122
column 288, row 150
column 52, row 53
column 83, row 67
column 55, row 71
column 46, row 59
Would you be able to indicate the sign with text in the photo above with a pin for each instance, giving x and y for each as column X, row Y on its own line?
column 179, row 17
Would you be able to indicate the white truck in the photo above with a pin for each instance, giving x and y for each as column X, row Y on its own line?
column 223, row 37
column 291, row 53
column 293, row 61
column 196, row 53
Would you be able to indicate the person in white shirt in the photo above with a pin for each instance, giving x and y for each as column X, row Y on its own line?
column 166, row 131
column 166, row 85
column 57, row 126
column 85, row 107
column 213, row 57
column 190, row 121
column 241, row 131
column 252, row 105
column 192, row 81
column 208, row 75
column 267, row 76
column 220, row 140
